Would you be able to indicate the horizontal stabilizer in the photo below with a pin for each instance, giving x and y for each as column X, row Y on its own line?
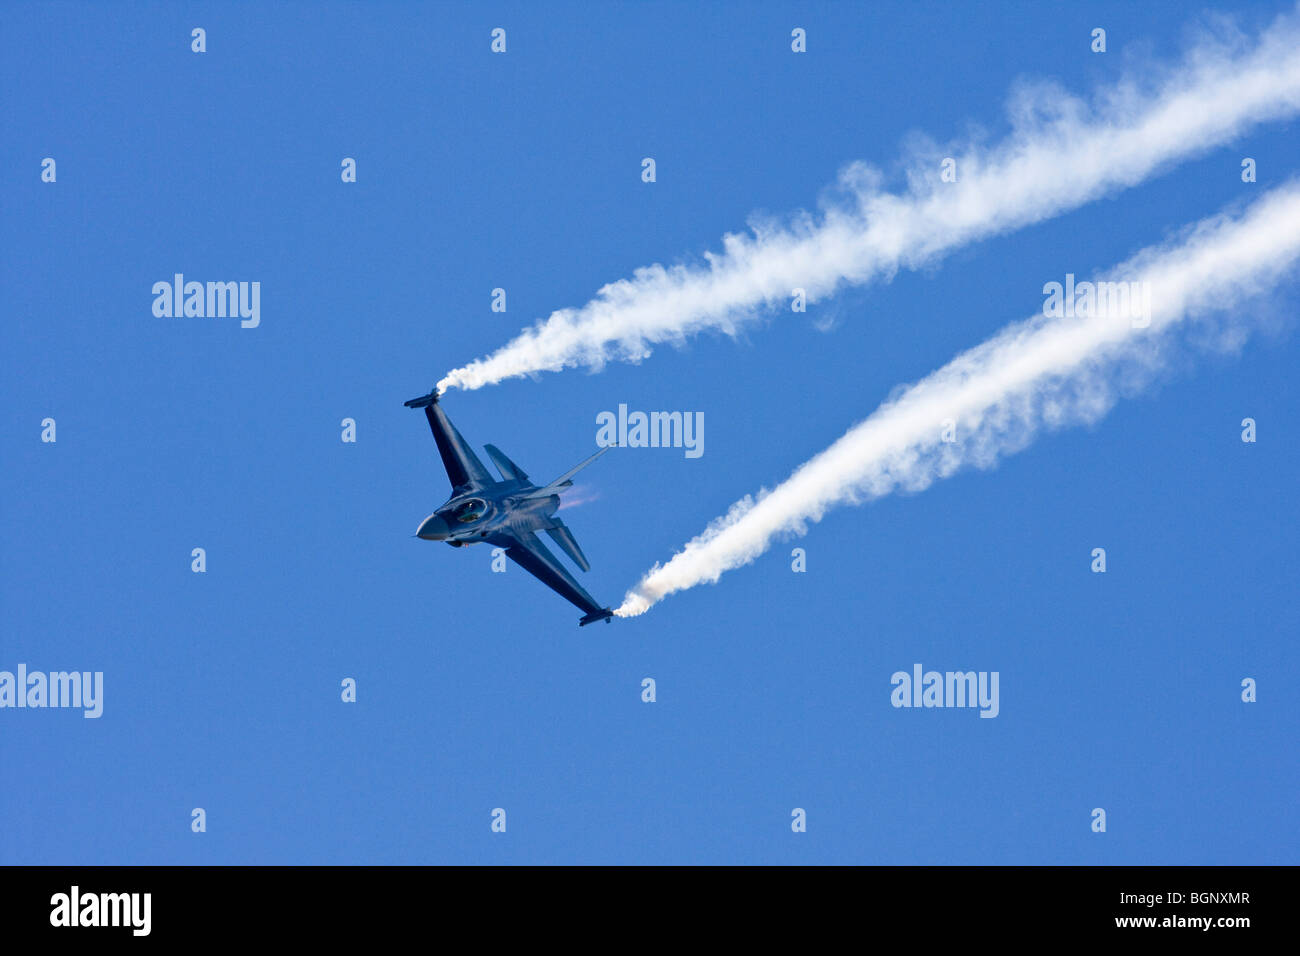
column 562, row 536
column 504, row 465
column 604, row 614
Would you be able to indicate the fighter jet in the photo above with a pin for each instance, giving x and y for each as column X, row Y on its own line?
column 506, row 513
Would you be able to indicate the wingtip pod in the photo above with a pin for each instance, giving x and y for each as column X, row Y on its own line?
column 423, row 400
column 604, row 614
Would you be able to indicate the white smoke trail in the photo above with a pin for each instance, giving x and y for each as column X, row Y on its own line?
column 1062, row 152
column 1034, row 374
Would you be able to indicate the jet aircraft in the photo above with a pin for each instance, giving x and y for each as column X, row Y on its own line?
column 506, row 513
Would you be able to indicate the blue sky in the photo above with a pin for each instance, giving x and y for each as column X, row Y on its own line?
column 476, row 690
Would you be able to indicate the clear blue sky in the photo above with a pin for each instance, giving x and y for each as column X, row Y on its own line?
column 477, row 690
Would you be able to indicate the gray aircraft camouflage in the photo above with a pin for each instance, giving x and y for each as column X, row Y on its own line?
column 506, row 513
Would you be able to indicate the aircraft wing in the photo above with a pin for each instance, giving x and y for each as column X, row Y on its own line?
column 463, row 467
column 527, row 551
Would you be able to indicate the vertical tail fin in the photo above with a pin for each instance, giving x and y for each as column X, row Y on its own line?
column 566, row 479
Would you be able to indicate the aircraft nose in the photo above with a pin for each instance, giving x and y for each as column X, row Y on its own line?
column 433, row 528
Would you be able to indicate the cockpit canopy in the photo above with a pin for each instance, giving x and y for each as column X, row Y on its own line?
column 469, row 511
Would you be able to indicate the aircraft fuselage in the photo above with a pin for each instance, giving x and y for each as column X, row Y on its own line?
column 506, row 513
column 480, row 515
